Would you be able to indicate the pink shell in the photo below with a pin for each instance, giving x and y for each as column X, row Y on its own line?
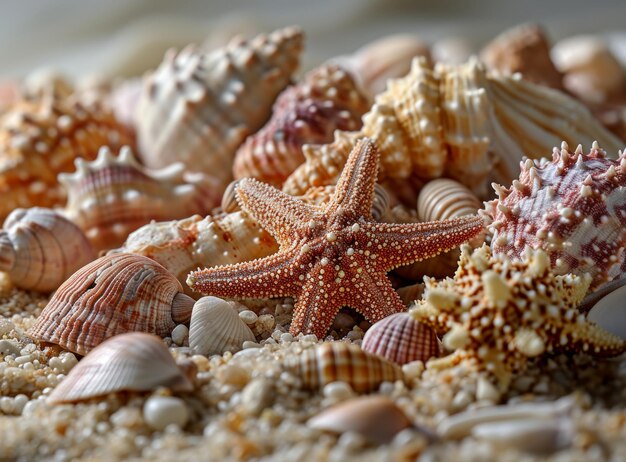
column 401, row 339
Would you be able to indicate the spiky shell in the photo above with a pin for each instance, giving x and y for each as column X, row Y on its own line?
column 40, row 249
column 43, row 137
column 573, row 207
column 133, row 361
column 198, row 107
column 216, row 327
column 326, row 100
column 114, row 195
column 338, row 361
column 401, row 339
column 110, row 296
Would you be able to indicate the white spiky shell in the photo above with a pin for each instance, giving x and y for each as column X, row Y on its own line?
column 216, row 327
column 133, row 361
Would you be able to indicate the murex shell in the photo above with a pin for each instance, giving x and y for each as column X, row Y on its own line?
column 112, row 295
column 40, row 249
column 41, row 138
column 339, row 361
column 216, row 327
column 198, row 106
column 133, row 361
column 326, row 100
column 114, row 195
column 573, row 207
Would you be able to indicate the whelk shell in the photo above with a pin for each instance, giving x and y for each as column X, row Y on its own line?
column 133, row 361
column 216, row 327
column 40, row 249
column 112, row 295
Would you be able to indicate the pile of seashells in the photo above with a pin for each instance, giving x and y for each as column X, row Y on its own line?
column 111, row 197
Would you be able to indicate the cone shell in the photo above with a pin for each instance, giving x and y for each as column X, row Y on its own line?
column 110, row 296
column 198, row 107
column 338, row 361
column 401, row 339
column 307, row 113
column 40, row 249
column 43, row 137
column 127, row 362
column 113, row 196
column 216, row 327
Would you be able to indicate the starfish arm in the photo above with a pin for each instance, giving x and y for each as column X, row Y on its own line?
column 591, row 338
column 403, row 244
column 268, row 277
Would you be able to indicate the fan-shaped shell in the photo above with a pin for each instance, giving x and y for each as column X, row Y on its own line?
column 43, row 137
column 338, row 361
column 216, row 327
column 198, row 107
column 40, row 249
column 401, row 339
column 113, row 196
column 133, row 361
column 110, row 296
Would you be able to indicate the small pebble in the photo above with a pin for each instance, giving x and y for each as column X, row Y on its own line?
column 338, row 391
column 248, row 316
column 8, row 347
column 161, row 411
column 231, row 374
column 256, row 396
column 179, row 334
column 485, row 390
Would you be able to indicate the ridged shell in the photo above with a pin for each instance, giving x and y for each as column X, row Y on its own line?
column 40, row 249
column 401, row 339
column 127, row 362
column 573, row 207
column 326, row 100
column 444, row 198
column 216, row 327
column 338, row 361
column 113, row 196
column 198, row 107
column 110, row 296
column 41, row 138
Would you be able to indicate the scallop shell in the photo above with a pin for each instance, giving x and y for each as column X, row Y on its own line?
column 327, row 99
column 572, row 207
column 198, row 107
column 338, row 361
column 401, row 339
column 40, row 249
column 216, row 327
column 443, row 199
column 113, row 196
column 133, row 361
column 41, row 138
column 110, row 296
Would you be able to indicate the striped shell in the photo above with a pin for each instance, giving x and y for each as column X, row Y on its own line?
column 113, row 196
column 133, row 361
column 401, row 339
column 198, row 107
column 326, row 100
column 444, row 198
column 40, row 249
column 41, row 138
column 110, row 296
column 338, row 361
column 216, row 327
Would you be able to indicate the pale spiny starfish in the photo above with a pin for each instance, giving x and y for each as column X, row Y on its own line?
column 333, row 255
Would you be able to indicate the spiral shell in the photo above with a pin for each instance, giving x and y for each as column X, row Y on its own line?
column 444, row 198
column 199, row 107
column 216, row 327
column 113, row 196
column 41, row 138
column 112, row 295
column 401, row 339
column 133, row 361
column 338, row 361
column 40, row 249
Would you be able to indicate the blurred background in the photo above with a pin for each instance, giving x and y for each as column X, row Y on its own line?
column 127, row 37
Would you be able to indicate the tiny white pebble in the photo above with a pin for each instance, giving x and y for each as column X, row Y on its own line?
column 161, row 411
column 179, row 334
column 248, row 316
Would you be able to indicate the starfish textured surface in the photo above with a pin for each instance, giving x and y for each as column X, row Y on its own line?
column 332, row 255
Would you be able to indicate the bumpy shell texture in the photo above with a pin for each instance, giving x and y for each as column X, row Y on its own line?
column 198, row 107
column 573, row 207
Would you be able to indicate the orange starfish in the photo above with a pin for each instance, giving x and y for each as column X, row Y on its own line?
column 332, row 255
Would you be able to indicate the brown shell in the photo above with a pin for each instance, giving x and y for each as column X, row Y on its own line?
column 112, row 295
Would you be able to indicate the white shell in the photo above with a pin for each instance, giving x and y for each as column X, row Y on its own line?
column 127, row 362
column 216, row 327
